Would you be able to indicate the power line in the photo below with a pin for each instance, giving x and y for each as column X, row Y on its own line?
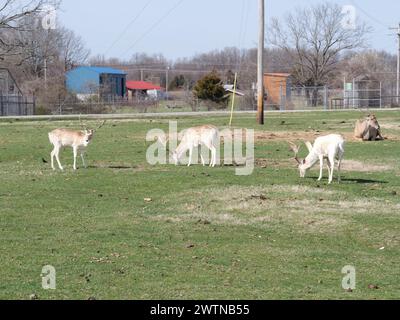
column 137, row 69
column 128, row 26
column 153, row 26
column 243, row 32
column 398, row 63
column 369, row 15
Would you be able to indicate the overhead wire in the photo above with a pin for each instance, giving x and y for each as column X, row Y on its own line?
column 148, row 31
column 136, row 18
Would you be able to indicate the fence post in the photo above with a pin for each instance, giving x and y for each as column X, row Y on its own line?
column 325, row 97
column 1, row 105
column 344, row 93
column 34, row 105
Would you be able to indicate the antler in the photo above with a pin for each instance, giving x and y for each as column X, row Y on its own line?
column 296, row 150
column 102, row 125
column 81, row 123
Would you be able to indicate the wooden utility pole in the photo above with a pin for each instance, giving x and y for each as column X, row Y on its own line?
column 45, row 72
column 260, row 69
column 398, row 65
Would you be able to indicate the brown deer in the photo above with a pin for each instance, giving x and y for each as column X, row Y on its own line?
column 78, row 140
column 368, row 129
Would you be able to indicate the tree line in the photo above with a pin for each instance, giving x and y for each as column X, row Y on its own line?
column 311, row 43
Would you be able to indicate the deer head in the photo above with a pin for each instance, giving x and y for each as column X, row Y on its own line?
column 301, row 163
column 372, row 121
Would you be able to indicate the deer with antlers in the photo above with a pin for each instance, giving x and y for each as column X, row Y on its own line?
column 329, row 147
column 78, row 140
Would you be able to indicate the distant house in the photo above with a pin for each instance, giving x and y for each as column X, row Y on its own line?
column 278, row 87
column 96, row 81
column 143, row 90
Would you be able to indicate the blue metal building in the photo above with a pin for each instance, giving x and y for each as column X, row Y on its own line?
column 103, row 81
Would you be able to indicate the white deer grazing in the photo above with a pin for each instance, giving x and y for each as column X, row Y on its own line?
column 329, row 147
column 77, row 140
column 192, row 138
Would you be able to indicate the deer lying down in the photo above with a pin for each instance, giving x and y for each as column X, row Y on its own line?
column 329, row 147
column 368, row 129
column 78, row 140
column 193, row 138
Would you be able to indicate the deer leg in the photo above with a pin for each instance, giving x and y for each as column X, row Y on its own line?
column 329, row 169
column 339, row 171
column 214, row 156
column 190, row 156
column 83, row 159
column 75, row 156
column 52, row 158
column 332, row 166
column 321, row 162
column 57, row 154
column 202, row 158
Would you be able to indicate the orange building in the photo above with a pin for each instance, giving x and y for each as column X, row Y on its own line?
column 278, row 88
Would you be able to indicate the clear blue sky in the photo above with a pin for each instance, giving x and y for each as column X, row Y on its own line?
column 196, row 26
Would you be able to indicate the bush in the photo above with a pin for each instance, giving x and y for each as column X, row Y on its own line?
column 210, row 90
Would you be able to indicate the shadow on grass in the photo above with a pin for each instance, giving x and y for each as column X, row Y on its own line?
column 113, row 167
column 364, row 181
column 353, row 180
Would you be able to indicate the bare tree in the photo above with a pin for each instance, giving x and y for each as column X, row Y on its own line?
column 73, row 50
column 315, row 37
column 14, row 16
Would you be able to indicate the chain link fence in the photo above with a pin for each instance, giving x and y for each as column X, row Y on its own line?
column 17, row 105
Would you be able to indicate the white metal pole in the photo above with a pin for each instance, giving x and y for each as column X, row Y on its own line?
column 398, row 67
column 167, row 82
column 344, row 93
column 260, row 69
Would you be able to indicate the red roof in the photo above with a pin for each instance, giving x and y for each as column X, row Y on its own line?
column 141, row 85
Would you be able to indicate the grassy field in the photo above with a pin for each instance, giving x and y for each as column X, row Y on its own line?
column 206, row 233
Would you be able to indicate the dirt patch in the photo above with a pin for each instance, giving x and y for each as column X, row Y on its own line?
column 390, row 126
column 352, row 165
column 286, row 136
column 116, row 166
column 347, row 166
column 308, row 136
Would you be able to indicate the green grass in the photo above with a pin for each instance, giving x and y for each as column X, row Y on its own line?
column 207, row 233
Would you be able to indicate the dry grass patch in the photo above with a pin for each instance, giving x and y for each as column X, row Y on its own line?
column 312, row 210
column 309, row 135
column 259, row 206
column 352, row 165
